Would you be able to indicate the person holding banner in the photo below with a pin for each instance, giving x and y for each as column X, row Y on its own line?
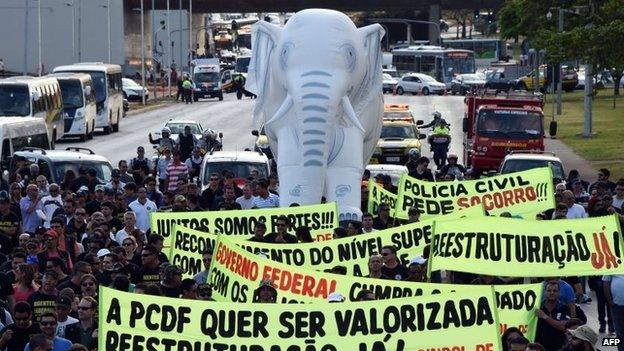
column 421, row 171
column 202, row 277
column 282, row 235
column 383, row 220
column 392, row 267
column 552, row 317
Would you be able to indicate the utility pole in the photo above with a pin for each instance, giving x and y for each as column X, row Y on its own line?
column 191, row 44
column 142, row 50
column 587, row 107
column 40, row 67
column 79, row 30
column 169, row 51
column 558, row 74
column 153, row 32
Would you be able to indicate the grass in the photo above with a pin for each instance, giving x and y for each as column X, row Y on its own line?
column 151, row 102
column 604, row 149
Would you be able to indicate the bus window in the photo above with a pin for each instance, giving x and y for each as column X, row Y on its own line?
column 90, row 97
column 14, row 100
column 427, row 64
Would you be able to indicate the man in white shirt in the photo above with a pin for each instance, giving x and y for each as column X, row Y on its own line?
column 265, row 199
column 142, row 207
column 129, row 226
column 51, row 203
column 246, row 201
column 574, row 210
column 367, row 223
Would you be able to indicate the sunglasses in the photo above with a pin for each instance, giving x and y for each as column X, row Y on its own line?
column 207, row 259
column 146, row 255
column 127, row 244
column 88, row 284
column 83, row 308
column 281, row 225
column 22, row 319
column 385, row 253
column 47, row 324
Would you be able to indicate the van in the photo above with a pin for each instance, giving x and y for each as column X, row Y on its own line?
column 34, row 97
column 240, row 163
column 20, row 132
column 78, row 104
column 207, row 79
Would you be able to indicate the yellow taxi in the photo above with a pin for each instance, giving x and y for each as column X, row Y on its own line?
column 397, row 138
column 398, row 112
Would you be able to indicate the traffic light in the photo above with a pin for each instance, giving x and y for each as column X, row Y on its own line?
column 491, row 18
column 234, row 25
column 477, row 14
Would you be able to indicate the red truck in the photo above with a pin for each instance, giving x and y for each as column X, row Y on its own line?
column 495, row 123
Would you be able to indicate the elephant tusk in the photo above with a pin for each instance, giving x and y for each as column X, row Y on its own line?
column 281, row 111
column 350, row 113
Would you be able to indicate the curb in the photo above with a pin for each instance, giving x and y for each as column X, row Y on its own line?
column 148, row 109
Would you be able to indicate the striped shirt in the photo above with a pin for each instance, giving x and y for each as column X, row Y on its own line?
column 175, row 172
column 271, row 201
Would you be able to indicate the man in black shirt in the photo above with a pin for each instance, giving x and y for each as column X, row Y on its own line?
column 383, row 220
column 392, row 267
column 150, row 270
column 44, row 300
column 80, row 269
column 552, row 316
column 282, row 235
column 9, row 223
column 259, row 231
column 15, row 336
column 171, row 283
column 98, row 198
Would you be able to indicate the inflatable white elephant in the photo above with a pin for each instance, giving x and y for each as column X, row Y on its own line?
column 318, row 81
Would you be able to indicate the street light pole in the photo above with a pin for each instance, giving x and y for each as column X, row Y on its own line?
column 40, row 68
column 142, row 51
column 191, row 44
column 107, row 7
column 559, row 85
column 169, row 51
column 73, row 22
column 79, row 30
column 153, row 68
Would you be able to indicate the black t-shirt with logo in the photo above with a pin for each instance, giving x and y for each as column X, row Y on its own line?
column 41, row 303
column 147, row 275
column 397, row 273
column 20, row 336
column 7, row 222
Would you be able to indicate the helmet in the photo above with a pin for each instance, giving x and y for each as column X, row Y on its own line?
column 166, row 130
column 436, row 114
column 209, row 133
column 414, row 153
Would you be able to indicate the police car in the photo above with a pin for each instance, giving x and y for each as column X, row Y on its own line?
column 397, row 138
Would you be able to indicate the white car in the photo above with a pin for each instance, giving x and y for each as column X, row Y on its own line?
column 522, row 161
column 177, row 127
column 394, row 171
column 388, row 83
column 132, row 90
column 417, row 83
column 241, row 163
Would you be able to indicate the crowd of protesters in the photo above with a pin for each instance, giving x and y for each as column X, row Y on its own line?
column 60, row 242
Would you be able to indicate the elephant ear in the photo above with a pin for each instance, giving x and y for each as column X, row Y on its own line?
column 371, row 84
column 264, row 37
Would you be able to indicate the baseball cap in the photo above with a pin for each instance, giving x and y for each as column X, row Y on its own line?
column 586, row 333
column 379, row 176
column 335, row 297
column 115, row 173
column 83, row 190
column 141, row 148
column 180, row 198
column 51, row 233
column 99, row 187
column 103, row 252
column 63, row 301
column 418, row 260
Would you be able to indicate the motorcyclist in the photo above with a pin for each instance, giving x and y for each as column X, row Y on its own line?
column 164, row 141
column 186, row 142
column 440, row 140
column 452, row 167
column 437, row 119
column 209, row 142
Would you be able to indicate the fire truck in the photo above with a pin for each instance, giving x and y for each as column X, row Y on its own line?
column 496, row 123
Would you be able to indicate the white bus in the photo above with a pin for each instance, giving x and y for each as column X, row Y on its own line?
column 78, row 104
column 17, row 133
column 440, row 63
column 34, row 97
column 108, row 92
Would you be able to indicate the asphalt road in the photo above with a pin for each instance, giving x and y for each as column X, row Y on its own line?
column 233, row 118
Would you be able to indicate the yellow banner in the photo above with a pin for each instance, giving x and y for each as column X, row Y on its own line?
column 527, row 192
column 516, row 307
column 525, row 248
column 378, row 195
column 321, row 219
column 436, row 322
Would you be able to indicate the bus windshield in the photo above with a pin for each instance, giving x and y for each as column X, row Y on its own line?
column 72, row 93
column 510, row 124
column 206, row 77
column 458, row 65
column 14, row 100
column 102, row 168
column 242, row 63
column 99, row 84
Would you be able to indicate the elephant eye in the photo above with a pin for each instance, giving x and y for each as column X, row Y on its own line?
column 285, row 53
column 349, row 54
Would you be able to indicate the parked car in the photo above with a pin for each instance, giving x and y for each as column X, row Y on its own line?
column 177, row 127
column 522, row 161
column 132, row 90
column 416, row 83
column 463, row 83
column 496, row 80
column 388, row 83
